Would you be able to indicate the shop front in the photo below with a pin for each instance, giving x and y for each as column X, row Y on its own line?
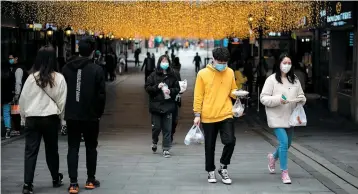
column 338, row 57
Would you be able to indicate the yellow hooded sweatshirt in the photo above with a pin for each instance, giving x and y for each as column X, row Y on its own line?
column 212, row 93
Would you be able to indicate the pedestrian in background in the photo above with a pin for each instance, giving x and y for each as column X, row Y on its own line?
column 197, row 61
column 149, row 66
column 21, row 74
column 162, row 87
column 176, row 68
column 281, row 93
column 85, row 104
column 42, row 103
column 213, row 108
column 7, row 95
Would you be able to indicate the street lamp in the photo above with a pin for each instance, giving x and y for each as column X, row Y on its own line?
column 49, row 31
column 68, row 31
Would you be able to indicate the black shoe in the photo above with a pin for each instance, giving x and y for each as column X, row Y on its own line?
column 73, row 188
column 28, row 189
column 92, row 184
column 58, row 182
column 225, row 176
column 8, row 133
column 154, row 147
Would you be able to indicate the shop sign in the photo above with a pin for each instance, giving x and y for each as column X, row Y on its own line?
column 37, row 26
column 274, row 33
column 53, row 26
column 303, row 21
column 340, row 14
column 351, row 39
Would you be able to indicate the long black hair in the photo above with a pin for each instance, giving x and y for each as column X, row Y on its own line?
column 159, row 69
column 46, row 65
column 290, row 75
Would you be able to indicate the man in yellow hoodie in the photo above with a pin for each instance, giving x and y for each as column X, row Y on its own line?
column 213, row 108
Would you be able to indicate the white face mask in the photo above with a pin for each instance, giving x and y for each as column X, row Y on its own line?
column 285, row 67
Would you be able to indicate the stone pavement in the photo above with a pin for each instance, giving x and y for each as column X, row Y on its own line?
column 126, row 163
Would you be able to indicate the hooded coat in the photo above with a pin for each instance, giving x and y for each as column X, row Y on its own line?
column 86, row 90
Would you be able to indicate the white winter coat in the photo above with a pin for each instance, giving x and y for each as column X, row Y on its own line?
column 279, row 114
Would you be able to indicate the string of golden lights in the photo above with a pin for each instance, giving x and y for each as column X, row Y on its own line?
column 199, row 19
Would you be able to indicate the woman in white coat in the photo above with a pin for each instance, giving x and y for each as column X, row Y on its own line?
column 280, row 95
column 42, row 104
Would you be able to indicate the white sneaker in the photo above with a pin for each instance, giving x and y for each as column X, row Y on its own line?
column 211, row 177
column 166, row 154
column 225, row 176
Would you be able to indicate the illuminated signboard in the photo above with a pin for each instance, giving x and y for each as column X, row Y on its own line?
column 339, row 14
column 351, row 39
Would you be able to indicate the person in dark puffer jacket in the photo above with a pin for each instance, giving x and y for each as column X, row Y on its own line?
column 163, row 82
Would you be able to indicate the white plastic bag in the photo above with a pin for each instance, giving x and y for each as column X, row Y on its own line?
column 165, row 88
column 194, row 136
column 183, row 85
column 298, row 117
column 238, row 108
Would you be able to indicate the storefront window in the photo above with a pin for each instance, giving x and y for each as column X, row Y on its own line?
column 346, row 77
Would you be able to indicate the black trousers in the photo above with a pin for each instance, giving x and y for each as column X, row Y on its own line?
column 197, row 68
column 227, row 134
column 146, row 74
column 36, row 127
column 90, row 130
column 175, row 115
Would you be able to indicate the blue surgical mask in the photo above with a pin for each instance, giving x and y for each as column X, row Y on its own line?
column 220, row 67
column 11, row 61
column 164, row 66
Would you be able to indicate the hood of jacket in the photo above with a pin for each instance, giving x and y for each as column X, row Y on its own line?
column 79, row 63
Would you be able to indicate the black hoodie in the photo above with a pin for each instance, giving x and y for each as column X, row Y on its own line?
column 86, row 90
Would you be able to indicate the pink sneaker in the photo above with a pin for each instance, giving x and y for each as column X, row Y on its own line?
column 271, row 163
column 285, row 177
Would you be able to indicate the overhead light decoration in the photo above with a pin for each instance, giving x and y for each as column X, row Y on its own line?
column 100, row 36
column 172, row 18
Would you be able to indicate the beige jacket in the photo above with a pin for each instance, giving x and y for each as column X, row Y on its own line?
column 35, row 102
column 279, row 114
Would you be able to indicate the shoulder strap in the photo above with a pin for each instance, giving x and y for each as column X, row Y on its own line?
column 37, row 83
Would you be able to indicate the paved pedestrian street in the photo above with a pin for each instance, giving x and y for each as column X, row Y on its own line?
column 127, row 165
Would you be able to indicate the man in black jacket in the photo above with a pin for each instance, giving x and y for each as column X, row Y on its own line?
column 162, row 87
column 149, row 66
column 85, row 105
